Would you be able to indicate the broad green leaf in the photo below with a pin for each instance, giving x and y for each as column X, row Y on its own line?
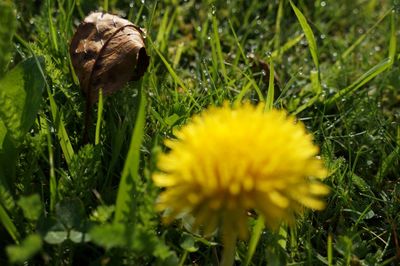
column 109, row 235
column 52, row 230
column 20, row 96
column 26, row 250
column 8, row 160
column 70, row 213
column 102, row 213
column 56, row 237
column 78, row 237
column 188, row 243
column 8, row 224
column 31, row 206
column 3, row 133
column 7, row 17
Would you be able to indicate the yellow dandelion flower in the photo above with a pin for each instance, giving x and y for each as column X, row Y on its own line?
column 227, row 161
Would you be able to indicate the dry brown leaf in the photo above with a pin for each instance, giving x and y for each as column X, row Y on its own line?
column 107, row 52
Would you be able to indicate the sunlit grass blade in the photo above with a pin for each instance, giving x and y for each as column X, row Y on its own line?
column 362, row 37
column 255, row 237
column 315, row 74
column 309, row 34
column 393, row 38
column 387, row 164
column 105, row 5
column 130, row 175
column 99, row 117
column 165, row 29
column 278, row 21
column 367, row 76
column 330, row 250
column 238, row 43
column 289, row 44
column 217, row 43
column 62, row 134
column 53, row 181
column 175, row 77
column 52, row 29
column 269, row 103
column 9, row 225
column 245, row 89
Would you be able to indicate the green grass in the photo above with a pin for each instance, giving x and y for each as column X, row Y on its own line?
column 334, row 64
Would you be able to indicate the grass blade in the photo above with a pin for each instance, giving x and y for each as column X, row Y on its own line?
column 367, row 76
column 61, row 131
column 255, row 237
column 238, row 43
column 362, row 37
column 53, row 181
column 105, row 5
column 393, row 39
column 174, row 75
column 269, row 103
column 289, row 44
column 330, row 252
column 130, row 171
column 52, row 29
column 62, row 134
column 277, row 37
column 99, row 117
column 309, row 34
column 217, row 42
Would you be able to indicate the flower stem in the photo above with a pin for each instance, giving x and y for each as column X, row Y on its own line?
column 228, row 254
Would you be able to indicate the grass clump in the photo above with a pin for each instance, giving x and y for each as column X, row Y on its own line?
column 332, row 64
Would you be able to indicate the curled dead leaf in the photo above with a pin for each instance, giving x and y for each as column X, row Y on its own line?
column 107, row 52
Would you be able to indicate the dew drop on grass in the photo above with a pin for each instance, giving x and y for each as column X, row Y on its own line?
column 323, row 4
column 213, row 10
column 134, row 92
column 131, row 4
